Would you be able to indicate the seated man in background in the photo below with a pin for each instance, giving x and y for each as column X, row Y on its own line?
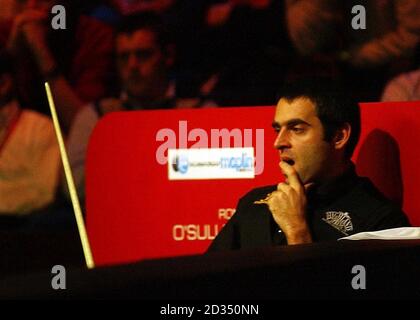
column 405, row 87
column 143, row 59
column 29, row 155
column 322, row 198
column 366, row 58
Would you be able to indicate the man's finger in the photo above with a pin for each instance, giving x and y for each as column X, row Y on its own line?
column 33, row 16
column 283, row 186
column 309, row 186
column 292, row 176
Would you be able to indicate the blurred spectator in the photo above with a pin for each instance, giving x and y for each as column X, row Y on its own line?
column 29, row 156
column 128, row 7
column 102, row 10
column 75, row 60
column 385, row 48
column 367, row 57
column 311, row 24
column 392, row 31
column 143, row 60
column 393, row 28
column 405, row 87
column 8, row 9
column 240, row 46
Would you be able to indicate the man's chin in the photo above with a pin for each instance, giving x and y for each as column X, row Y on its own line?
column 303, row 180
column 139, row 95
column 137, row 91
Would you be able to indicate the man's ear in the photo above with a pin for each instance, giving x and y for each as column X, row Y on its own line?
column 342, row 136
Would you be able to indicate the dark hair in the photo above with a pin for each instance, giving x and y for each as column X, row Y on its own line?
column 334, row 106
column 145, row 20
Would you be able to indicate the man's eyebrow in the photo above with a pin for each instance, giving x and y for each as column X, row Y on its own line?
column 289, row 123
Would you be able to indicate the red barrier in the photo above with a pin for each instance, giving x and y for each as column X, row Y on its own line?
column 135, row 212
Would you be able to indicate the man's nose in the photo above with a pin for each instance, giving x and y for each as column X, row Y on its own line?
column 133, row 61
column 282, row 140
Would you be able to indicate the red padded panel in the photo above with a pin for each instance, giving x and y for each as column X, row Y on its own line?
column 133, row 209
column 134, row 212
column 389, row 151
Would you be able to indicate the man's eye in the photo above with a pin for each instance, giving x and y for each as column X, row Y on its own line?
column 297, row 130
column 276, row 130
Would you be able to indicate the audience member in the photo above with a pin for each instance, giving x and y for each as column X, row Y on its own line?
column 366, row 58
column 29, row 156
column 128, row 7
column 238, row 48
column 75, row 60
column 143, row 60
column 405, row 87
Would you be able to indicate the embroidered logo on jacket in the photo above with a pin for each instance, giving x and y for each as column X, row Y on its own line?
column 339, row 220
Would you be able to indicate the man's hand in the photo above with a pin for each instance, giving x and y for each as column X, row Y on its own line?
column 288, row 206
column 29, row 17
column 30, row 28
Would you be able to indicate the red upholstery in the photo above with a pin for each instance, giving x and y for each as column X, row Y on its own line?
column 389, row 151
column 135, row 212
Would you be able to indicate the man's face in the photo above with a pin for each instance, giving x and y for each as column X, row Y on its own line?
column 140, row 63
column 300, row 139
